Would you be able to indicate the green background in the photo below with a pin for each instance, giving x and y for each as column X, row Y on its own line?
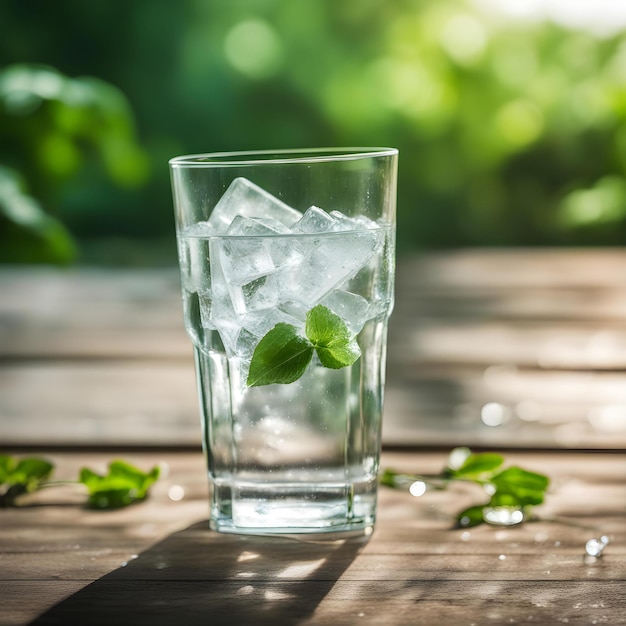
column 511, row 132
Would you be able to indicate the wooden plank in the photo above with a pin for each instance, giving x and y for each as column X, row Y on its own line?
column 499, row 404
column 417, row 602
column 100, row 403
column 517, row 268
column 91, row 313
column 546, row 345
column 541, row 334
column 157, row 562
column 150, row 402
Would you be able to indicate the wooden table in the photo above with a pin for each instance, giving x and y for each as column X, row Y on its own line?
column 521, row 351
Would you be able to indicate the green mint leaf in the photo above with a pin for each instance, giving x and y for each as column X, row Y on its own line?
column 18, row 477
column 478, row 466
column 517, row 486
column 280, row 357
column 389, row 478
column 122, row 485
column 514, row 490
column 472, row 516
column 335, row 345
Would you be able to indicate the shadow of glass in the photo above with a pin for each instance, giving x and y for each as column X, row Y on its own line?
column 197, row 576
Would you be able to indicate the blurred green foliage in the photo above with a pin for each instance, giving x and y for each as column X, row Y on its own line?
column 52, row 129
column 510, row 132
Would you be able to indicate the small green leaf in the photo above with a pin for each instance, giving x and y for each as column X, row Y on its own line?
column 335, row 345
column 388, row 478
column 517, row 486
column 18, row 477
column 472, row 516
column 33, row 470
column 6, row 465
column 514, row 491
column 122, row 485
column 280, row 357
column 478, row 465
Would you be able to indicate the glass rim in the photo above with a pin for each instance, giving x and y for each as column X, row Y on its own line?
column 288, row 155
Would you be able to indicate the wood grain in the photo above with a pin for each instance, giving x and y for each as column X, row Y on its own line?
column 158, row 563
column 538, row 336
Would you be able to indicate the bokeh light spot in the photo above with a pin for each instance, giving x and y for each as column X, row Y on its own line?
column 464, row 39
column 520, row 122
column 253, row 48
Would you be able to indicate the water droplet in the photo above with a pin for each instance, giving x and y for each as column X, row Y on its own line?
column 493, row 414
column 418, row 488
column 457, row 457
column 465, row 536
column 557, row 544
column 502, row 557
column 503, row 515
column 489, row 489
column 176, row 493
column 594, row 547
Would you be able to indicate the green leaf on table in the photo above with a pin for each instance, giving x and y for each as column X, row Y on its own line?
column 122, row 485
column 280, row 357
column 472, row 516
column 335, row 345
column 513, row 491
column 477, row 466
column 20, row 476
column 388, row 478
column 517, row 486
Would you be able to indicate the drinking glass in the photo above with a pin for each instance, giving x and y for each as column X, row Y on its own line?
column 287, row 268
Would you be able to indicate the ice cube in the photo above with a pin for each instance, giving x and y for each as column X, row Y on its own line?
column 193, row 252
column 249, row 254
column 295, row 309
column 314, row 220
column 349, row 306
column 222, row 314
column 331, row 260
column 260, row 293
column 252, row 226
column 245, row 258
column 248, row 200
column 206, row 307
column 256, row 325
column 343, row 222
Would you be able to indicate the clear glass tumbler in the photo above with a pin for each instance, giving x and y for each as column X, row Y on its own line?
column 287, row 265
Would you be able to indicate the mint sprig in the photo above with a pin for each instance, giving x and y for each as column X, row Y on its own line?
column 122, row 485
column 335, row 345
column 512, row 491
column 283, row 354
column 21, row 476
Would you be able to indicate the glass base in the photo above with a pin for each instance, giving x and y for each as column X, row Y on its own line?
column 246, row 508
